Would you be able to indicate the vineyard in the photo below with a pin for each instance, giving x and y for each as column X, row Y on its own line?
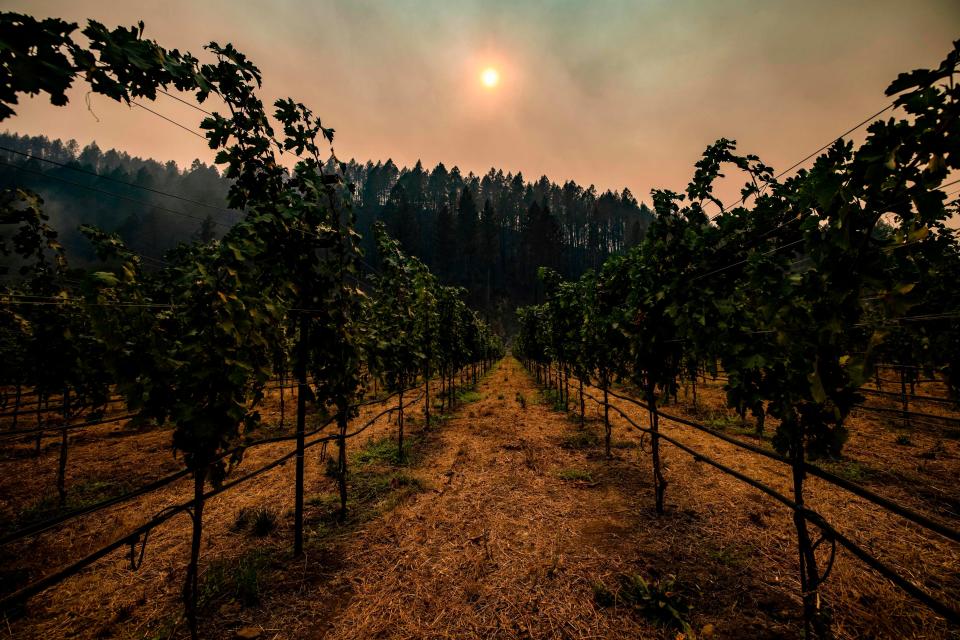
column 744, row 426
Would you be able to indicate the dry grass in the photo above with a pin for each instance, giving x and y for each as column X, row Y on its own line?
column 496, row 528
column 865, row 604
column 109, row 599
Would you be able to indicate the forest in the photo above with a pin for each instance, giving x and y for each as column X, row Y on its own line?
column 488, row 234
column 286, row 396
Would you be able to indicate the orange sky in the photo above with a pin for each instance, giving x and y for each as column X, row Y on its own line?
column 603, row 92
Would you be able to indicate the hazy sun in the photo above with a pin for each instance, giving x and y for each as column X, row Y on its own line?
column 490, row 77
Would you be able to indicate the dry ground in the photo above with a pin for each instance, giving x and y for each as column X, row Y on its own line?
column 505, row 522
column 918, row 468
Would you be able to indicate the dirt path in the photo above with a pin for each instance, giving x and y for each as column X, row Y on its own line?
column 503, row 546
column 526, row 519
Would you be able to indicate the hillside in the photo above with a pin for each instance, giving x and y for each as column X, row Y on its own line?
column 485, row 233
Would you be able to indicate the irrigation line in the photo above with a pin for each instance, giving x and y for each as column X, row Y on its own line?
column 909, row 414
column 56, row 428
column 41, row 527
column 46, row 582
column 952, row 615
column 45, row 525
column 132, row 537
column 935, row 427
column 27, row 408
column 30, row 408
column 56, row 397
column 892, row 365
column 895, row 427
column 52, row 428
column 899, row 412
column 866, row 494
column 884, row 380
column 910, row 398
column 883, row 436
column 370, row 422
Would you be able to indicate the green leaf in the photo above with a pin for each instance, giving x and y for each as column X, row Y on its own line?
column 105, row 278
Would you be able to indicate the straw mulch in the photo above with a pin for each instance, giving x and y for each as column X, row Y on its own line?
column 504, row 525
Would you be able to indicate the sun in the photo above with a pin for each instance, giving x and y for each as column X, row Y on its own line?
column 490, row 77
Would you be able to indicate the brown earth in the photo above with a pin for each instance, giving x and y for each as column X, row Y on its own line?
column 507, row 522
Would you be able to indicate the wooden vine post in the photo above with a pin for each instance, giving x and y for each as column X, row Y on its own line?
column 302, row 392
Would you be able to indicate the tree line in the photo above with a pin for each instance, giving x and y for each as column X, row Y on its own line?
column 486, row 233
column 67, row 176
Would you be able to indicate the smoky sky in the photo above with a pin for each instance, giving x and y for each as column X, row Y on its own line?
column 611, row 93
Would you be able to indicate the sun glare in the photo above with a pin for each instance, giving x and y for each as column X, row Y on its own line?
column 490, row 77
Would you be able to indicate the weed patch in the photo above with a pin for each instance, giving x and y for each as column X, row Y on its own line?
column 722, row 421
column 259, row 521
column 82, row 494
column 384, row 451
column 575, row 475
column 241, row 579
column 583, row 439
column 374, row 488
column 468, row 396
column 849, row 470
column 324, row 501
column 659, row 601
column 734, row 556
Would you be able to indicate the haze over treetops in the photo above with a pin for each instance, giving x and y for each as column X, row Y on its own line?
column 616, row 93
